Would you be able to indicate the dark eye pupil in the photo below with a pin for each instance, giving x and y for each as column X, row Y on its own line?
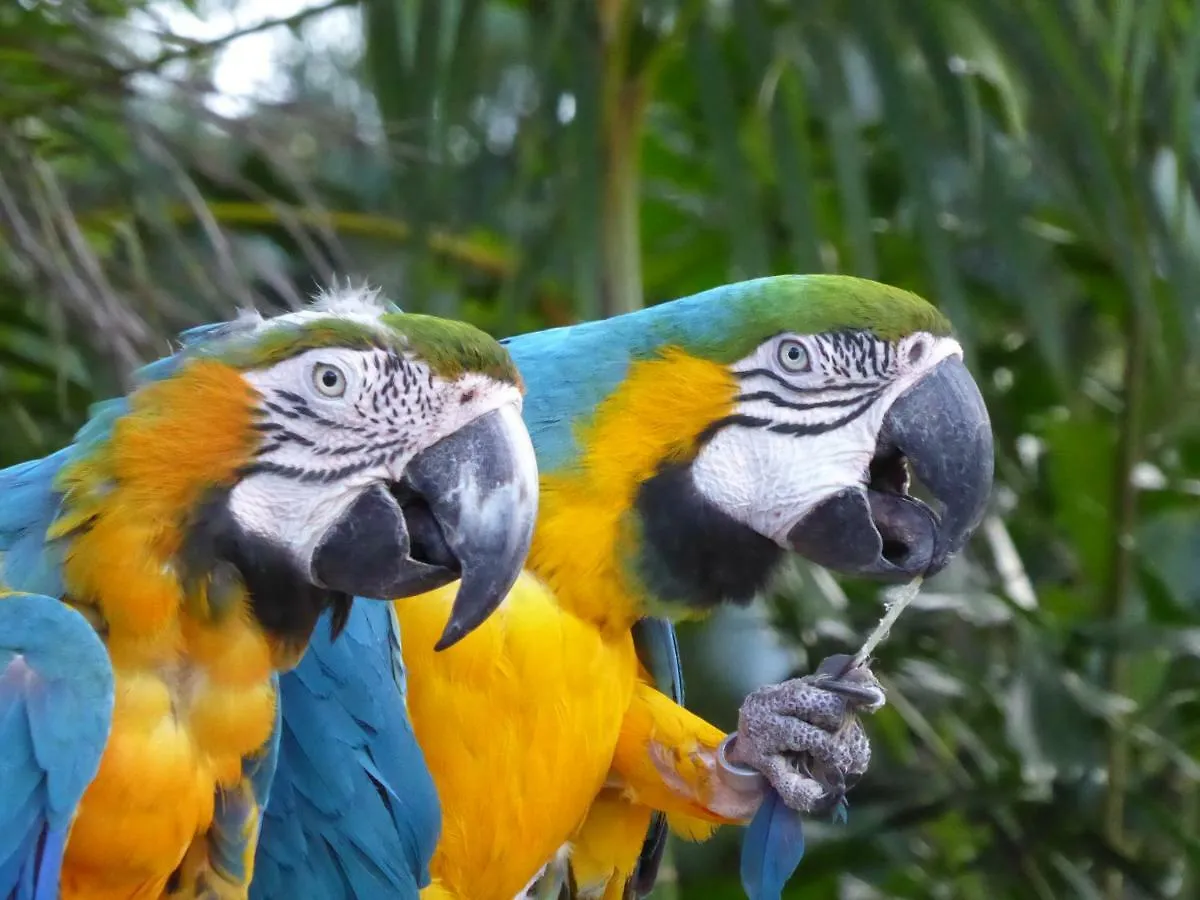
column 329, row 378
column 793, row 353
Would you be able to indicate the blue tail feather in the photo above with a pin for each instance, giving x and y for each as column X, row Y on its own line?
column 771, row 849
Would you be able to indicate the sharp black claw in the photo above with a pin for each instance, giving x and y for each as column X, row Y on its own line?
column 803, row 763
column 834, row 782
column 855, row 692
column 837, row 790
column 838, row 674
column 835, row 793
column 839, row 665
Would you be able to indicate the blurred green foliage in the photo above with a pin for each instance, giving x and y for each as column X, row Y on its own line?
column 1029, row 165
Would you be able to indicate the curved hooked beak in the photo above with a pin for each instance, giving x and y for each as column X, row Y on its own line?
column 465, row 509
column 939, row 431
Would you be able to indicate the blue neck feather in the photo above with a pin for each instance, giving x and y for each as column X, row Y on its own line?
column 569, row 371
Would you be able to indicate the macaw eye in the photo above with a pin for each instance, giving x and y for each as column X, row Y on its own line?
column 329, row 380
column 793, row 356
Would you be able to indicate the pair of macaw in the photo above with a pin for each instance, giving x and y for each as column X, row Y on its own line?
column 273, row 470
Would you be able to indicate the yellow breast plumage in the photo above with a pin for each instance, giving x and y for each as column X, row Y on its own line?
column 543, row 694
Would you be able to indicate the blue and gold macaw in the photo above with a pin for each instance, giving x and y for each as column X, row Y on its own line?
column 684, row 451
column 161, row 570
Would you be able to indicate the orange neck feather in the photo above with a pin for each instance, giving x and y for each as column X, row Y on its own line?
column 126, row 505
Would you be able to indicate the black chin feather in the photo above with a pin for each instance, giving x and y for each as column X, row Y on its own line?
column 691, row 551
column 285, row 603
column 341, row 604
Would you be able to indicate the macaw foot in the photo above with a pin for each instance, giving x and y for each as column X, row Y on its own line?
column 804, row 735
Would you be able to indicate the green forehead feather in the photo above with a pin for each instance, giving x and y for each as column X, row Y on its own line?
column 727, row 323
column 841, row 301
column 449, row 348
column 279, row 342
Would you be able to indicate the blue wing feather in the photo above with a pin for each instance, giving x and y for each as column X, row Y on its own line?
column 56, row 701
column 353, row 809
column 56, row 683
column 44, row 885
column 30, row 506
column 658, row 649
column 772, row 848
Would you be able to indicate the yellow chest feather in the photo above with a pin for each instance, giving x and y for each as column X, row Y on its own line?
column 518, row 723
column 180, row 730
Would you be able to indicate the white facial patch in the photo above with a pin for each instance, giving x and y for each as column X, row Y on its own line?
column 337, row 420
column 807, row 422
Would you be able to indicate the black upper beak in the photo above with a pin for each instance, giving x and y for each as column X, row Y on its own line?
column 466, row 509
column 939, row 430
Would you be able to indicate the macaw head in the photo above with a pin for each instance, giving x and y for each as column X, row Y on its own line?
column 843, row 396
column 343, row 450
column 782, row 415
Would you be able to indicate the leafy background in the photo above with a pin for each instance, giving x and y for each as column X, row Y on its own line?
column 1030, row 165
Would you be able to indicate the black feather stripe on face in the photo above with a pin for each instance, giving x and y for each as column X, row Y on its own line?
column 776, row 400
column 832, row 385
column 285, row 603
column 394, row 403
column 795, row 429
column 857, row 368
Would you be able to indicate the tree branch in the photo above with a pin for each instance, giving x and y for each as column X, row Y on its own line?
column 196, row 49
column 1116, row 601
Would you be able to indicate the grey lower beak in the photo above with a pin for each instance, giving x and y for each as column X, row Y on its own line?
column 467, row 509
column 940, row 428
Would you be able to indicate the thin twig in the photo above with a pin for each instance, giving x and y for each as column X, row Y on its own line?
column 46, row 258
column 93, row 69
column 198, row 49
column 316, row 256
column 227, row 268
column 130, row 330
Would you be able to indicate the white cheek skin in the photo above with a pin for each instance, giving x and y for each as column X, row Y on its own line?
column 290, row 514
column 770, row 481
